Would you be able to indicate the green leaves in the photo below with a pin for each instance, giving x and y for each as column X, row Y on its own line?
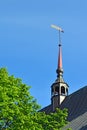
column 16, row 103
column 53, row 121
column 19, row 110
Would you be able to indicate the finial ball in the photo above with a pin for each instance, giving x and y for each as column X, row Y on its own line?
column 60, row 45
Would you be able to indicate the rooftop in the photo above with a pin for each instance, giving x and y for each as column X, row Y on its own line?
column 76, row 103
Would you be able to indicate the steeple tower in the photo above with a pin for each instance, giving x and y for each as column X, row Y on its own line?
column 59, row 89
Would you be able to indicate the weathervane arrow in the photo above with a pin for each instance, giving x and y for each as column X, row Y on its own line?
column 57, row 28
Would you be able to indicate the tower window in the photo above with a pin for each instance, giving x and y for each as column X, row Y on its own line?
column 56, row 90
column 63, row 90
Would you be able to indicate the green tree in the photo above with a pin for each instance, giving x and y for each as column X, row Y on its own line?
column 19, row 110
column 52, row 121
column 16, row 103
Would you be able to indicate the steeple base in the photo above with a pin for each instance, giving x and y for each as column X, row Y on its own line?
column 56, row 101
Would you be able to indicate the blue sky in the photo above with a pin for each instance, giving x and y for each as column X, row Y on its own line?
column 29, row 46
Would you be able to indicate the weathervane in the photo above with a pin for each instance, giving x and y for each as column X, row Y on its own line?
column 60, row 30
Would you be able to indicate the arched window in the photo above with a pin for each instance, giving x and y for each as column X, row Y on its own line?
column 63, row 90
column 56, row 90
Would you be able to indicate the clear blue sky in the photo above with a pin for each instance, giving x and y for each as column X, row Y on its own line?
column 29, row 46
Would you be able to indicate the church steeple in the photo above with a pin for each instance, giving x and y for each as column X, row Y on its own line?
column 59, row 89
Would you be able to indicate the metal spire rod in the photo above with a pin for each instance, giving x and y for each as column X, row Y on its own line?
column 59, row 38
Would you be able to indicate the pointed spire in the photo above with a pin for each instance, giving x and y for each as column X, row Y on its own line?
column 60, row 58
column 59, row 68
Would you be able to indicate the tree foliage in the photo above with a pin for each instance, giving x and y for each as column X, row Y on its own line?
column 16, row 103
column 52, row 121
column 18, row 109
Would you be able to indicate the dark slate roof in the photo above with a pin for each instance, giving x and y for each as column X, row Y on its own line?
column 76, row 103
column 79, row 123
column 47, row 109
